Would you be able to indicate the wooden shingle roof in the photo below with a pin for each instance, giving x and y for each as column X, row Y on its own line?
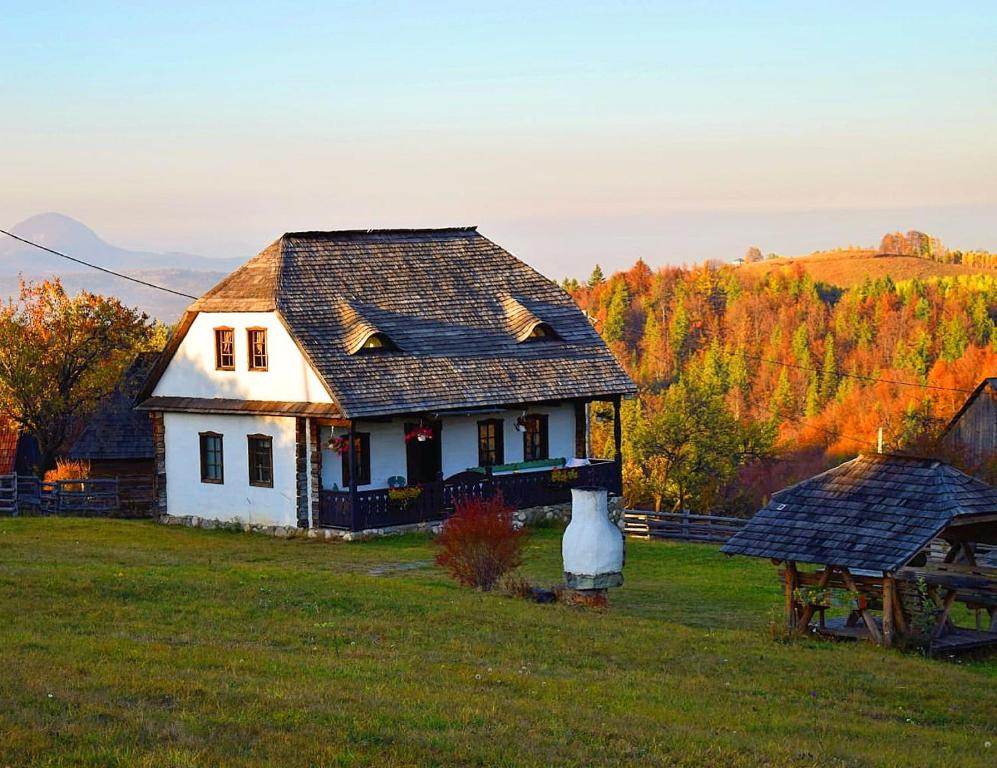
column 875, row 512
column 455, row 304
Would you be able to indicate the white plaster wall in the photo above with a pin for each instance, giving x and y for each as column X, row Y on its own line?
column 191, row 372
column 459, row 436
column 235, row 499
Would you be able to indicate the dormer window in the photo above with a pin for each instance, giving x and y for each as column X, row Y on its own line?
column 377, row 342
column 257, row 338
column 541, row 332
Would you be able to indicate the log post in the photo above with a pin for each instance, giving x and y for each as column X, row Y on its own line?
column 791, row 580
column 889, row 596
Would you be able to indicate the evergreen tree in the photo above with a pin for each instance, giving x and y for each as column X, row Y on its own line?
column 616, row 314
column 955, row 339
column 782, row 397
column 812, row 404
column 678, row 332
column 596, row 278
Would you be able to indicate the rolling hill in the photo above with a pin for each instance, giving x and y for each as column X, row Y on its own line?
column 846, row 268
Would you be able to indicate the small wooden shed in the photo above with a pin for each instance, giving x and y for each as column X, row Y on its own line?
column 973, row 429
column 117, row 440
column 900, row 535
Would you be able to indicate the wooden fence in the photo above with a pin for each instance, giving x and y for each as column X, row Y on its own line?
column 681, row 526
column 110, row 497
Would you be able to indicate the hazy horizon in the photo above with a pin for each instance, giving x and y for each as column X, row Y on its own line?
column 570, row 133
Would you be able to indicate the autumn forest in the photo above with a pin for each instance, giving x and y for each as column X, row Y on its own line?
column 752, row 380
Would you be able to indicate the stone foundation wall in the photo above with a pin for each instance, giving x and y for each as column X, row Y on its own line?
column 292, row 532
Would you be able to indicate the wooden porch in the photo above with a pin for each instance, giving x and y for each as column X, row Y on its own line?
column 380, row 508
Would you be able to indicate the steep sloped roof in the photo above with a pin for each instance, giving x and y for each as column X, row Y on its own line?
column 874, row 512
column 116, row 430
column 443, row 297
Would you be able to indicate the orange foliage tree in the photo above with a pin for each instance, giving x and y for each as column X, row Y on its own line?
column 59, row 355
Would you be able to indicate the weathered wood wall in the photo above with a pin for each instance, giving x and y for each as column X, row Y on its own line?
column 976, row 428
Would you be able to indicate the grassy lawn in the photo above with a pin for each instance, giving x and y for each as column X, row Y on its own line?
column 134, row 644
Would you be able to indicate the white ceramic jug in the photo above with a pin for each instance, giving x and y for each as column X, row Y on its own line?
column 592, row 547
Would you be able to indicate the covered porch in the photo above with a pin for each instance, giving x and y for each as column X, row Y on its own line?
column 533, row 455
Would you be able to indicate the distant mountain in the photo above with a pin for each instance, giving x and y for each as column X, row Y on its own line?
column 182, row 272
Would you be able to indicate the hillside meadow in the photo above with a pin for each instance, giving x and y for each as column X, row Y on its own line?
column 851, row 268
column 134, row 644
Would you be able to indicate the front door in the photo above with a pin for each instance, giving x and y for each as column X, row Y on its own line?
column 424, row 458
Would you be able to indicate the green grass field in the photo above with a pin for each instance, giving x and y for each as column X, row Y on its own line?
column 134, row 644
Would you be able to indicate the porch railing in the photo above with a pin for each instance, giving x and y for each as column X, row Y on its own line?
column 376, row 509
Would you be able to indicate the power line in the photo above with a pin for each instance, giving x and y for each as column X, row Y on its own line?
column 860, row 376
column 101, row 269
column 804, row 423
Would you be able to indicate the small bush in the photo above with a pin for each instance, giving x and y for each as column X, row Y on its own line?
column 67, row 469
column 480, row 544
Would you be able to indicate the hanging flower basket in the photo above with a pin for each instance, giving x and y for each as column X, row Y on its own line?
column 422, row 434
column 340, row 445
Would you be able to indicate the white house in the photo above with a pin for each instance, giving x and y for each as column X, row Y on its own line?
column 431, row 363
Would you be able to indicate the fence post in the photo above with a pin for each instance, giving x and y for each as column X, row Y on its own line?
column 685, row 523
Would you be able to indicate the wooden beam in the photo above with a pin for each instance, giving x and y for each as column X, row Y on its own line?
column 870, row 622
column 326, row 422
column 946, row 607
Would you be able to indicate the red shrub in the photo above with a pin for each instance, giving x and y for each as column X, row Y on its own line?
column 479, row 543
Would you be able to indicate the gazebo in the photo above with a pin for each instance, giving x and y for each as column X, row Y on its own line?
column 905, row 537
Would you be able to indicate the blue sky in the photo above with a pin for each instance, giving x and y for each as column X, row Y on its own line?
column 571, row 132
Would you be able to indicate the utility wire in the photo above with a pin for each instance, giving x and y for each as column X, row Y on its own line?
column 799, row 420
column 859, row 376
column 101, row 269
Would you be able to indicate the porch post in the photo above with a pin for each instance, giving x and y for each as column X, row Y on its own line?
column 581, row 429
column 351, row 455
column 618, row 443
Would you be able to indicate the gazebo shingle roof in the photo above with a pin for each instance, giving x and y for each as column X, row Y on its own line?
column 455, row 304
column 875, row 512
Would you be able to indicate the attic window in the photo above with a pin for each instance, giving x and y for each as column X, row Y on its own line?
column 541, row 332
column 377, row 342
